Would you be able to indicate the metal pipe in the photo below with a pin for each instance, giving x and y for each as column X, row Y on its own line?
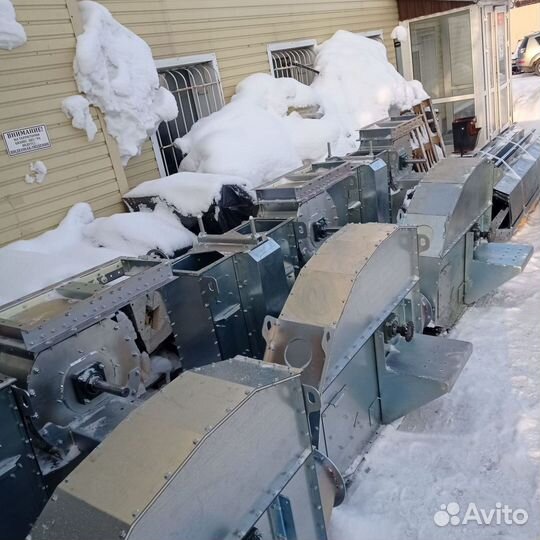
column 97, row 383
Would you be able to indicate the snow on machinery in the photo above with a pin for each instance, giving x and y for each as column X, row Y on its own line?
column 86, row 354
column 88, row 357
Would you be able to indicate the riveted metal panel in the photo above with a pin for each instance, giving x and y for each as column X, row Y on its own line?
column 188, row 453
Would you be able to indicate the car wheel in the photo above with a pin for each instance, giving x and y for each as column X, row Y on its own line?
column 537, row 68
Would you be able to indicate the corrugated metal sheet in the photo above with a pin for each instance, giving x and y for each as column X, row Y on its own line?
column 238, row 32
column 410, row 9
column 34, row 79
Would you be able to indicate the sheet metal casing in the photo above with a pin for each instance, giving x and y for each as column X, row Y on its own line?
column 47, row 317
column 333, row 194
column 332, row 326
column 390, row 141
column 49, row 338
column 453, row 198
column 518, row 189
column 22, row 490
column 198, row 469
column 229, row 287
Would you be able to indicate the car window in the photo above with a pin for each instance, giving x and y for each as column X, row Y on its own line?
column 538, row 40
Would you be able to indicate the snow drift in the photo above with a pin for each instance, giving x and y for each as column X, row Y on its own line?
column 81, row 242
column 115, row 70
column 264, row 132
column 358, row 85
column 12, row 34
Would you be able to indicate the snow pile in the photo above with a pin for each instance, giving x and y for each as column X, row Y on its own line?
column 38, row 173
column 77, row 108
column 81, row 242
column 399, row 33
column 358, row 85
column 12, row 34
column 189, row 193
column 114, row 68
column 246, row 138
column 139, row 232
column 262, row 133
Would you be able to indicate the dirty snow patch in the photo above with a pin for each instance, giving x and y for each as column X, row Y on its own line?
column 189, row 193
column 38, row 173
column 12, row 33
column 114, row 68
column 77, row 108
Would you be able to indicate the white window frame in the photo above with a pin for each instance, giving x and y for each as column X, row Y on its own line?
column 372, row 34
column 477, row 64
column 284, row 46
column 180, row 62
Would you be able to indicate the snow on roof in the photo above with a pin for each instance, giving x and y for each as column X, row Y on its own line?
column 12, row 34
column 190, row 193
column 115, row 70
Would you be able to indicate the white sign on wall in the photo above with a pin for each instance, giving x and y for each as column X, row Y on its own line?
column 23, row 140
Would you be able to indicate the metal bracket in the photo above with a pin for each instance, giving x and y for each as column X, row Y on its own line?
column 282, row 519
column 312, row 401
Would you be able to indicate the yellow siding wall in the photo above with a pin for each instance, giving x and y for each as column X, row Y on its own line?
column 34, row 79
column 238, row 31
column 523, row 21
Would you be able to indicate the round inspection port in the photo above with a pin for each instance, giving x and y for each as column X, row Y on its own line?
column 298, row 353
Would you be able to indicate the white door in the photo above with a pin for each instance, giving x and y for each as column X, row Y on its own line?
column 490, row 72
column 504, row 70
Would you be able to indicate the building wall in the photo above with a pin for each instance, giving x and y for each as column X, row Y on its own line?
column 523, row 20
column 34, row 79
column 238, row 32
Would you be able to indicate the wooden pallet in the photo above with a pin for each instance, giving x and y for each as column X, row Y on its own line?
column 429, row 136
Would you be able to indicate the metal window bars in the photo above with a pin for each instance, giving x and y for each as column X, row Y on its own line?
column 297, row 63
column 198, row 93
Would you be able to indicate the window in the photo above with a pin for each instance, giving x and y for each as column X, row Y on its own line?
column 295, row 60
column 377, row 35
column 442, row 60
column 196, row 86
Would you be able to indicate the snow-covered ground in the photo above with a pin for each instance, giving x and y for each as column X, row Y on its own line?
column 526, row 90
column 481, row 443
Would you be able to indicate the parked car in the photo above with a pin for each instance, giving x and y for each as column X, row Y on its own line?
column 527, row 55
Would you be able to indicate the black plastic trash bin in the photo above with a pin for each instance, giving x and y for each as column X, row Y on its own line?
column 465, row 134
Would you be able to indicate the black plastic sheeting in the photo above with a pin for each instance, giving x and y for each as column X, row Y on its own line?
column 234, row 207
